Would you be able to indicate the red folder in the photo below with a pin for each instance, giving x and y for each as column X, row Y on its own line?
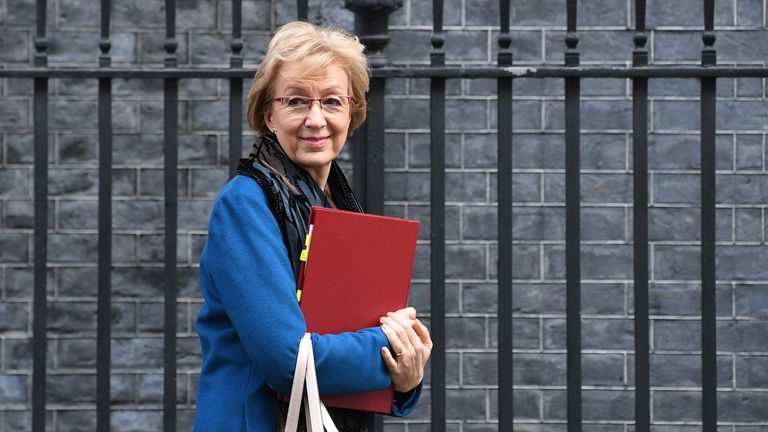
column 357, row 268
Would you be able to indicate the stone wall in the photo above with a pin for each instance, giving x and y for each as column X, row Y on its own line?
column 538, row 217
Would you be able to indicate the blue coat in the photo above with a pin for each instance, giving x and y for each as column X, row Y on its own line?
column 250, row 325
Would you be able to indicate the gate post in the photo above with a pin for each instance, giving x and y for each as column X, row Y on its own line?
column 372, row 26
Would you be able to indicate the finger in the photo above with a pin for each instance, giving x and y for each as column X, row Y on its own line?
column 393, row 338
column 425, row 339
column 389, row 361
column 410, row 312
column 403, row 347
column 407, row 325
column 407, row 313
column 401, row 332
column 413, row 337
column 401, row 319
column 420, row 354
column 405, row 316
column 423, row 333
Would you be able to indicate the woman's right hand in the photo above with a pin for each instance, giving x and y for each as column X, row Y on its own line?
column 412, row 345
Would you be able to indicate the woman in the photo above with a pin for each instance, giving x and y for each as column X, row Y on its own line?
column 307, row 96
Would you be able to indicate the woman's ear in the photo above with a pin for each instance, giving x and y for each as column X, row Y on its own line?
column 268, row 119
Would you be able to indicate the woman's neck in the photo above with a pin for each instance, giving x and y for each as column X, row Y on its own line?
column 319, row 175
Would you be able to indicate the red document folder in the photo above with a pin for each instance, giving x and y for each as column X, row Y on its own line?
column 358, row 267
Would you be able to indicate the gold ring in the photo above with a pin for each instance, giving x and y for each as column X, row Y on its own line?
column 400, row 354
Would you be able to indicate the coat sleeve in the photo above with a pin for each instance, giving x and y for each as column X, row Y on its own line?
column 250, row 273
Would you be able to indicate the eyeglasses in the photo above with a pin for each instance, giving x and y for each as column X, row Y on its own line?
column 330, row 105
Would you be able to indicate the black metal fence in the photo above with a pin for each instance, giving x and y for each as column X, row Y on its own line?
column 371, row 25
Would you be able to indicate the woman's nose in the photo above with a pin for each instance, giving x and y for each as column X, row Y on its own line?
column 315, row 116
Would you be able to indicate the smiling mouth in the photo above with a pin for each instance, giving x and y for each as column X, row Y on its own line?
column 315, row 141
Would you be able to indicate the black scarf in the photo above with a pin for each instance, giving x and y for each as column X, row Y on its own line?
column 291, row 191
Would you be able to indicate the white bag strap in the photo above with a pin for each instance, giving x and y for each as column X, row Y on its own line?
column 330, row 426
column 312, row 401
column 297, row 390
column 317, row 416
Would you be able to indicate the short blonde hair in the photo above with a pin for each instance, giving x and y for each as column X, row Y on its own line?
column 316, row 47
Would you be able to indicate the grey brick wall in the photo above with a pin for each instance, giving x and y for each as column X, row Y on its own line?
column 538, row 217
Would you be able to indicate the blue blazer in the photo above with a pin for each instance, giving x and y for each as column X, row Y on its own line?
column 250, row 325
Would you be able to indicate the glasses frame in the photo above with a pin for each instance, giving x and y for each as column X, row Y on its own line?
column 282, row 100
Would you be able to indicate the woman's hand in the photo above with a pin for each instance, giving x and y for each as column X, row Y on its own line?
column 412, row 345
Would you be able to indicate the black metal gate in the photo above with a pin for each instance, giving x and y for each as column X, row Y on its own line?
column 371, row 25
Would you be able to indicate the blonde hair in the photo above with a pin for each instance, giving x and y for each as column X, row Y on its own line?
column 316, row 47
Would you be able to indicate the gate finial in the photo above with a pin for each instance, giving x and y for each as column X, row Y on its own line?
column 372, row 26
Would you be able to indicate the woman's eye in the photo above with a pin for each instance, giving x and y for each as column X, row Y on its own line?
column 332, row 102
column 296, row 101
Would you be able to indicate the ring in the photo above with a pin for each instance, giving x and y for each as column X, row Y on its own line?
column 400, row 354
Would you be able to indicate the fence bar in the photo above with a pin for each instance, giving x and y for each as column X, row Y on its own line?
column 358, row 140
column 39, row 323
column 236, row 90
column 104, row 42
column 302, row 9
column 640, row 217
column 504, row 264
column 41, row 41
column 708, row 276
column 437, row 221
column 170, row 149
column 40, row 301
column 708, row 300
column 374, row 169
column 640, row 227
column 103, row 336
column 104, row 310
column 572, row 225
column 437, row 249
column 572, row 257
column 371, row 25
column 373, row 196
column 171, row 101
column 359, row 156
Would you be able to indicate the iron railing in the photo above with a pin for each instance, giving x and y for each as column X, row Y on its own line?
column 369, row 169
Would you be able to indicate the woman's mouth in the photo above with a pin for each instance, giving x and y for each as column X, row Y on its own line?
column 315, row 142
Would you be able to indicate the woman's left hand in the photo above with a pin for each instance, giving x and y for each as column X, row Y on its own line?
column 412, row 345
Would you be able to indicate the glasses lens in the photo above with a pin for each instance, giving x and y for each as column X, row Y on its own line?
column 334, row 104
column 296, row 103
column 300, row 105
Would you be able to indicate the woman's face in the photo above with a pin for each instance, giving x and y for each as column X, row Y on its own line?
column 311, row 134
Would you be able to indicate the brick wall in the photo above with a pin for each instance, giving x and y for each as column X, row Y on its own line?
column 538, row 217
